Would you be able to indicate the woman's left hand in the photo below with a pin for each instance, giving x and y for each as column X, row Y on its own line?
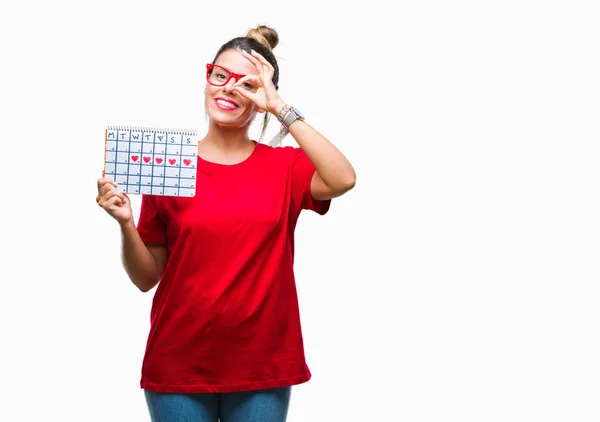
column 266, row 96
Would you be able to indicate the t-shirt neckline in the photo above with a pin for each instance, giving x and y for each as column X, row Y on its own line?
column 241, row 163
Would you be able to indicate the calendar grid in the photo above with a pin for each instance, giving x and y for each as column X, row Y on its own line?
column 180, row 161
column 141, row 164
column 164, row 177
column 152, row 161
column 152, row 185
column 128, row 160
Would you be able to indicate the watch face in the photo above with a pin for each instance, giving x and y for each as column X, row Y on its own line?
column 298, row 113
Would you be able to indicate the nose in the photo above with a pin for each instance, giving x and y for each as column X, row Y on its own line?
column 228, row 87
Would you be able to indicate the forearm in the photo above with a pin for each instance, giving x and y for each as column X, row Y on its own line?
column 333, row 167
column 138, row 262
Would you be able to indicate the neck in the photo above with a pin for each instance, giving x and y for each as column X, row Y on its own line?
column 227, row 138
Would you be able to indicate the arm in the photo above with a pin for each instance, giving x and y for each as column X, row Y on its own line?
column 334, row 174
column 144, row 263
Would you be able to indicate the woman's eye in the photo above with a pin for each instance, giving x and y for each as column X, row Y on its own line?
column 248, row 85
column 221, row 76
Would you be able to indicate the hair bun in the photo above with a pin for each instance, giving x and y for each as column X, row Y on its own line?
column 264, row 35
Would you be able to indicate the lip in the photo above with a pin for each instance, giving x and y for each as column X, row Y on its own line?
column 222, row 107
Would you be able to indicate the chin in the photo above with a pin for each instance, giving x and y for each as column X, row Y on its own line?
column 229, row 121
column 225, row 121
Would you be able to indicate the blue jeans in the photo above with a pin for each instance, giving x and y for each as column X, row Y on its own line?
column 270, row 405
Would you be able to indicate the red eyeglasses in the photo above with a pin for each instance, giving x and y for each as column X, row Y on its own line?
column 218, row 76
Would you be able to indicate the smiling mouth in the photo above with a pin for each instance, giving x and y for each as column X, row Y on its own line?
column 226, row 105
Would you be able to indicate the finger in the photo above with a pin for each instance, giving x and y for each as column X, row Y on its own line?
column 254, row 60
column 262, row 59
column 100, row 197
column 267, row 69
column 252, row 79
column 105, row 188
column 264, row 67
column 114, row 192
column 104, row 180
column 245, row 93
column 110, row 191
column 113, row 202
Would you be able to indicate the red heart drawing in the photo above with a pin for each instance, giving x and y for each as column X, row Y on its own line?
column 172, row 161
column 187, row 161
column 159, row 160
column 147, row 159
column 135, row 157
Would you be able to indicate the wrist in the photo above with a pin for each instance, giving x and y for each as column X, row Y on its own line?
column 127, row 224
column 289, row 115
column 278, row 108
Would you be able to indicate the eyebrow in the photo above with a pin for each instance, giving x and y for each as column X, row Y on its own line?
column 231, row 70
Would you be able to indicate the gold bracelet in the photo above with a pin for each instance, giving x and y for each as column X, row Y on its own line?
column 284, row 111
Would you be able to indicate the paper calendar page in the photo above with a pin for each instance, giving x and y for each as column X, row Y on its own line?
column 152, row 161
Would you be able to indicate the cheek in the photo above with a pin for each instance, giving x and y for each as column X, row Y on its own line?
column 249, row 105
column 209, row 92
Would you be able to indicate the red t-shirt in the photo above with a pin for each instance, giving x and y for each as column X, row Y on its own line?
column 225, row 315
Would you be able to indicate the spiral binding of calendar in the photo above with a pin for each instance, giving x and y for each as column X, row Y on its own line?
column 175, row 131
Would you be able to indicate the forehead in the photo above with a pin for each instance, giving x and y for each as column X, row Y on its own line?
column 234, row 61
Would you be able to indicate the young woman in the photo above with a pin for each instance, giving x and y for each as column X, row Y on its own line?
column 225, row 339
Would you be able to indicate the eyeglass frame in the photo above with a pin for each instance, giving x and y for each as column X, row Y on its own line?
column 210, row 66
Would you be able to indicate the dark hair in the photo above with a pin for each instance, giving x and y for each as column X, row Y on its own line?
column 263, row 40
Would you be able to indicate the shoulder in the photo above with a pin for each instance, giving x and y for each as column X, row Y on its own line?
column 287, row 153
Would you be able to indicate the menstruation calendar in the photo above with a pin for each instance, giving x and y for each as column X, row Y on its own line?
column 152, row 161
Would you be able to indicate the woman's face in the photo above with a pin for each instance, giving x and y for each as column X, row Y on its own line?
column 224, row 106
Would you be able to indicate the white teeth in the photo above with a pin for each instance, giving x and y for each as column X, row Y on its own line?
column 226, row 103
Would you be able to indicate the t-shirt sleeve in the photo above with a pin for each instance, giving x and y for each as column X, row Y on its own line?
column 150, row 226
column 302, row 173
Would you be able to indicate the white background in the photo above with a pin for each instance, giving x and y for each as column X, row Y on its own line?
column 458, row 281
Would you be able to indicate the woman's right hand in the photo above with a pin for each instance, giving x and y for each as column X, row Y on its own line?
column 115, row 203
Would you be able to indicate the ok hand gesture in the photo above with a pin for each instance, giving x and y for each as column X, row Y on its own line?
column 266, row 96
